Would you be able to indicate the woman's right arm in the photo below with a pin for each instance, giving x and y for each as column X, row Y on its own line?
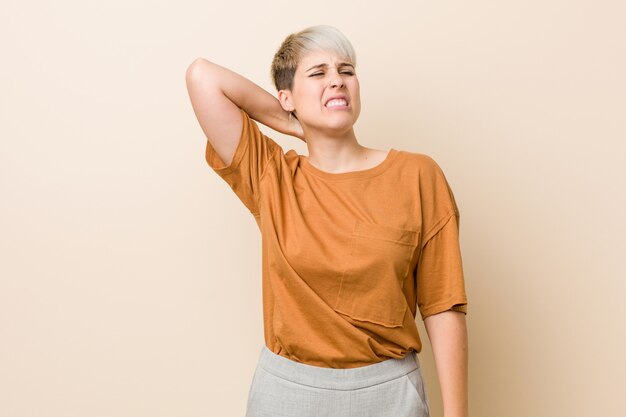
column 217, row 93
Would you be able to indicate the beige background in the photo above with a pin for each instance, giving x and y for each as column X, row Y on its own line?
column 130, row 273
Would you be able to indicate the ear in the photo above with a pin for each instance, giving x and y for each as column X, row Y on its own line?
column 286, row 100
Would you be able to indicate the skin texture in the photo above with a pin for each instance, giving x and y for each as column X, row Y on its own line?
column 447, row 332
column 217, row 93
column 329, row 132
column 311, row 89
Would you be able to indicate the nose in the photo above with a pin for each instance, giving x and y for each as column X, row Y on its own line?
column 336, row 81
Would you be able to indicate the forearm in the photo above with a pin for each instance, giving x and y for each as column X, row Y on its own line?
column 447, row 332
column 254, row 100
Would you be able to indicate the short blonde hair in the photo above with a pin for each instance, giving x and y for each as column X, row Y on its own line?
column 314, row 38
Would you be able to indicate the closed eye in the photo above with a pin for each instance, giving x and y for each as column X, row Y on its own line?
column 342, row 72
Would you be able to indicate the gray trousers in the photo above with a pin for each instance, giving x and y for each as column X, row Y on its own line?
column 285, row 388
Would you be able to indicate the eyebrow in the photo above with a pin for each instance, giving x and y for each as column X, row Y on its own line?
column 341, row 64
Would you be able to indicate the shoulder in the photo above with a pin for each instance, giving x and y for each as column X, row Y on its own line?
column 432, row 181
column 424, row 164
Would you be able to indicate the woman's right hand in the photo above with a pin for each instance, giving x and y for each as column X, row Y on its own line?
column 296, row 128
column 217, row 91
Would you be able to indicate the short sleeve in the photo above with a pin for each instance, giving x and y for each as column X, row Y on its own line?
column 252, row 156
column 439, row 276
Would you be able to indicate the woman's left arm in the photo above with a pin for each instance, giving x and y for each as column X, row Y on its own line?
column 447, row 332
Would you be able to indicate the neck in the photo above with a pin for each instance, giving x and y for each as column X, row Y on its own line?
column 335, row 153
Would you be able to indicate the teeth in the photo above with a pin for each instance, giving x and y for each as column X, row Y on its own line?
column 337, row 102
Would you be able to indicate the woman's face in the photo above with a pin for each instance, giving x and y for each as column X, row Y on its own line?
column 320, row 77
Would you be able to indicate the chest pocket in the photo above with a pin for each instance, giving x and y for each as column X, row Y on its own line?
column 372, row 281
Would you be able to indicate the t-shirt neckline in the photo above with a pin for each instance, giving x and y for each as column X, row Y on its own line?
column 363, row 173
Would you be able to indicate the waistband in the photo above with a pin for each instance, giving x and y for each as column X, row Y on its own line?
column 336, row 378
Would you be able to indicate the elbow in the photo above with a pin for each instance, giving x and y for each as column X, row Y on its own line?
column 201, row 74
column 195, row 69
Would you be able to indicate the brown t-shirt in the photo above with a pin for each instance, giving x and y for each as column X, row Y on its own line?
column 347, row 258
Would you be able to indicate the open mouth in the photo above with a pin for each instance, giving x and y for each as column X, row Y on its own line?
column 337, row 102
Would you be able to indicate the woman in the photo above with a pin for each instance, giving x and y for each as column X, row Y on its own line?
column 355, row 240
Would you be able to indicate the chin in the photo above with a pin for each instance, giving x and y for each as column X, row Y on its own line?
column 340, row 127
column 337, row 122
